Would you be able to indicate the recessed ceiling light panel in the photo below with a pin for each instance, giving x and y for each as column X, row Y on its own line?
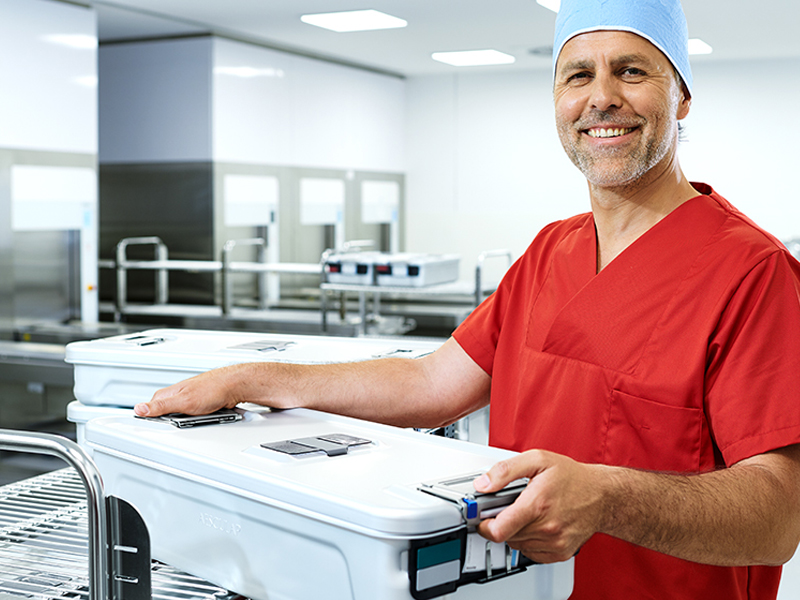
column 354, row 20
column 553, row 5
column 698, row 46
column 473, row 58
column 248, row 72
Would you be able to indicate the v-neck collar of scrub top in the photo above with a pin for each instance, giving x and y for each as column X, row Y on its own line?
column 573, row 292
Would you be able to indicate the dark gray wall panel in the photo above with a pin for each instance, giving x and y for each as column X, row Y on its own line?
column 170, row 200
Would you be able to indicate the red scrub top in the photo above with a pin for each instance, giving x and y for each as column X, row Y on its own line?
column 682, row 355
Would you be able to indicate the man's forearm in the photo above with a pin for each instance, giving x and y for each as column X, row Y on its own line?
column 426, row 392
column 395, row 391
column 743, row 515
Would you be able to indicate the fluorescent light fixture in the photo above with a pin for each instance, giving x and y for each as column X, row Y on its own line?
column 249, row 72
column 354, row 20
column 82, row 42
column 698, row 46
column 553, row 5
column 473, row 58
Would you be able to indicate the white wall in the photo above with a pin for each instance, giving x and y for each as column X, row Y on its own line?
column 210, row 99
column 270, row 107
column 49, row 98
column 486, row 170
column 739, row 138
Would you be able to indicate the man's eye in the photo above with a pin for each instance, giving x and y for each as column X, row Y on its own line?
column 578, row 77
column 633, row 72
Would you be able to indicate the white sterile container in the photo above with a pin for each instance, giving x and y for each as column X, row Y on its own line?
column 416, row 270
column 346, row 520
column 80, row 414
column 127, row 369
column 352, row 268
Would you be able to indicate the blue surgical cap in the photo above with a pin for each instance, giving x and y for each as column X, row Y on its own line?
column 661, row 22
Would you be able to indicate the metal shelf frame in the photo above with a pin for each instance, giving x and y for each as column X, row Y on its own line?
column 61, row 538
column 162, row 265
column 475, row 292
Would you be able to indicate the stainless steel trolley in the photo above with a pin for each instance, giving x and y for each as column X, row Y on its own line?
column 61, row 538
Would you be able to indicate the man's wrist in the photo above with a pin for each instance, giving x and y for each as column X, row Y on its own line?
column 615, row 492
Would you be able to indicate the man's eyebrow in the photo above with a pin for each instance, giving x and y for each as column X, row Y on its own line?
column 580, row 64
column 577, row 65
column 629, row 59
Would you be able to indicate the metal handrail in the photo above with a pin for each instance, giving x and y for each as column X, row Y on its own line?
column 75, row 456
column 162, row 265
column 357, row 245
column 227, row 287
column 479, row 268
column 162, row 282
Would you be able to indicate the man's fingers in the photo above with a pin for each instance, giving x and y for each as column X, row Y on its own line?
column 511, row 520
column 159, row 405
column 142, row 409
column 539, row 554
column 177, row 398
column 504, row 472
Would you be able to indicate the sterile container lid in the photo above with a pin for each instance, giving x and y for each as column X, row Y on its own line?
column 80, row 413
column 371, row 489
column 198, row 351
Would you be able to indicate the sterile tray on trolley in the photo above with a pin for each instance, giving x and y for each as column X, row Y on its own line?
column 123, row 370
column 126, row 369
column 302, row 505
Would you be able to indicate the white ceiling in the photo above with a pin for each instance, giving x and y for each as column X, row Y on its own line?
column 737, row 29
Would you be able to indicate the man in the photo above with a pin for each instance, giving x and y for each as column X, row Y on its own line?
column 643, row 358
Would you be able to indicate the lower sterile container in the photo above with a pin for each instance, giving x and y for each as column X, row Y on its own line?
column 302, row 505
column 79, row 414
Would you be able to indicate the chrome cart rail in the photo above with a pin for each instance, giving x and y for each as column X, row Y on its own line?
column 54, row 537
column 75, row 456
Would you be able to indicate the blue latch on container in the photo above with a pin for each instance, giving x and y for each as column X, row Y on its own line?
column 472, row 508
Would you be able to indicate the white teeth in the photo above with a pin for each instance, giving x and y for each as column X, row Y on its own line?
column 607, row 133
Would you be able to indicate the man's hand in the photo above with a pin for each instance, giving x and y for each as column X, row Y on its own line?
column 746, row 514
column 199, row 395
column 560, row 509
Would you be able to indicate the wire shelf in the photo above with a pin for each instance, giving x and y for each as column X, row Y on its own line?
column 44, row 545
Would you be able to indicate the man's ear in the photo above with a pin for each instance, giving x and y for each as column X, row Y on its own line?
column 684, row 104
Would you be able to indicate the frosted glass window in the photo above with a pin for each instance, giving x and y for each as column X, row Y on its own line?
column 321, row 201
column 51, row 198
column 250, row 200
column 380, row 201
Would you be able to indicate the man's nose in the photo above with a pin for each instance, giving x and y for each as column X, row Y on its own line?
column 605, row 93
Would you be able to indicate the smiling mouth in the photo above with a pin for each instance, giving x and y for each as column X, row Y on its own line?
column 609, row 133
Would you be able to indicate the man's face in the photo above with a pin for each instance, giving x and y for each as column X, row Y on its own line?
column 617, row 103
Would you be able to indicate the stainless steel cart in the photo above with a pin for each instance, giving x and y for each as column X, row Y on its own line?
column 62, row 538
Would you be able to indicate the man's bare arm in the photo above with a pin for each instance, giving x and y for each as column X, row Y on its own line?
column 748, row 514
column 427, row 392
